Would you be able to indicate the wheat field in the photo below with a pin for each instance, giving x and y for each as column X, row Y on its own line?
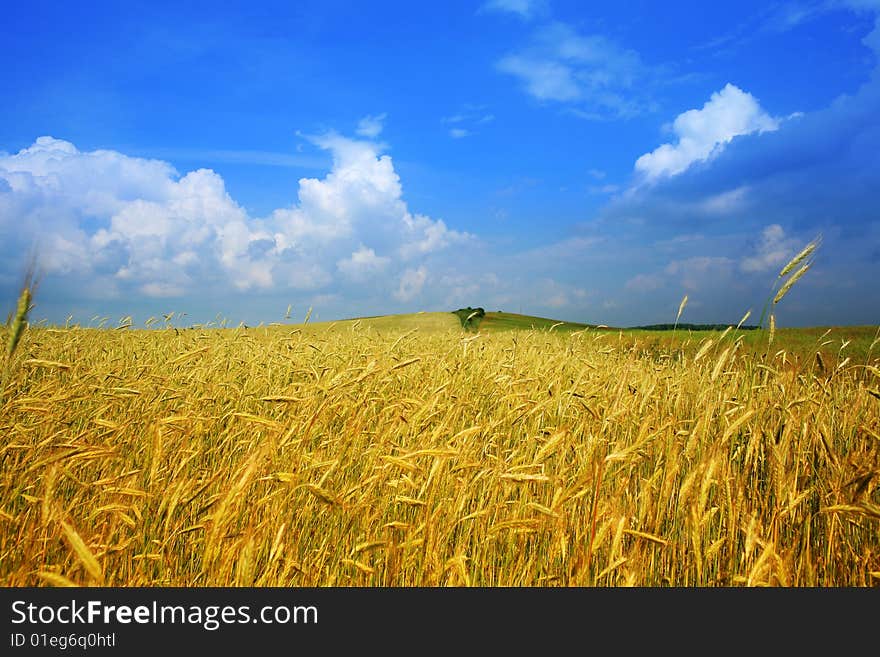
column 364, row 454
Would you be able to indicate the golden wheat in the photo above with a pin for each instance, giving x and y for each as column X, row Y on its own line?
column 357, row 456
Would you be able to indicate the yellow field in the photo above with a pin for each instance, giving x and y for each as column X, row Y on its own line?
column 368, row 454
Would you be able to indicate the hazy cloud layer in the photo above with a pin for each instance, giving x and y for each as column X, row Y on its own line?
column 371, row 126
column 590, row 73
column 773, row 251
column 524, row 9
column 468, row 121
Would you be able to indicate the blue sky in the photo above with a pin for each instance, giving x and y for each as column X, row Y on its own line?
column 591, row 162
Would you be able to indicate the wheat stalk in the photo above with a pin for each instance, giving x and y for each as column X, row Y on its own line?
column 800, row 257
column 791, row 281
column 680, row 309
column 17, row 324
column 19, row 321
column 807, row 253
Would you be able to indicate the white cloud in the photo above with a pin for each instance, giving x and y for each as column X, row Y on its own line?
column 545, row 79
column 473, row 114
column 161, row 290
column 133, row 226
column 703, row 133
column 362, row 263
column 462, row 289
column 568, row 249
column 411, row 283
column 362, row 188
column 781, row 17
column 547, row 294
column 773, row 250
column 371, row 126
column 603, row 189
column 525, row 9
column 725, row 202
column 424, row 236
column 693, row 273
column 591, row 73
column 465, row 122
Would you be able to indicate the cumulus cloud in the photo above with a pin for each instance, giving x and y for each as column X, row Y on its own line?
column 702, row 134
column 424, row 235
column 136, row 226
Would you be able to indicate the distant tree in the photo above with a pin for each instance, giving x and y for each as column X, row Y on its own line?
column 470, row 317
column 691, row 327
